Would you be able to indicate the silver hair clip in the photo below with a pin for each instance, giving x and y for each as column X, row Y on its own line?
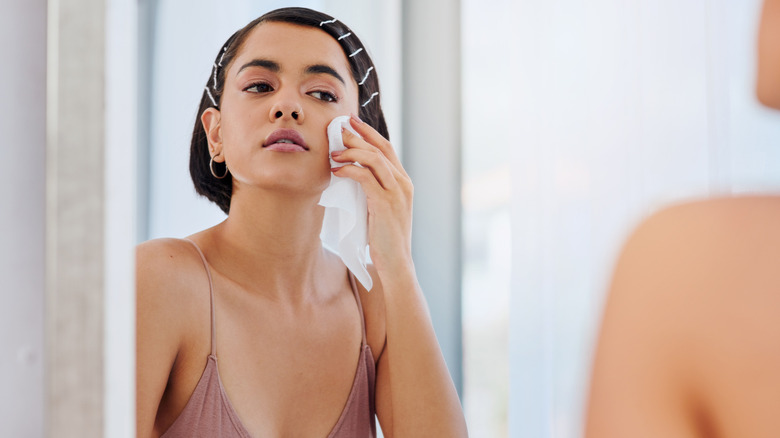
column 224, row 50
column 344, row 36
column 328, row 22
column 356, row 52
column 218, row 65
column 376, row 93
column 211, row 97
column 366, row 76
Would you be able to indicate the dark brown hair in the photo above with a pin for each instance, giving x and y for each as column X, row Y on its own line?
column 363, row 72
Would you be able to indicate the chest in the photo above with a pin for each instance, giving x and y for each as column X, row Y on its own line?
column 288, row 373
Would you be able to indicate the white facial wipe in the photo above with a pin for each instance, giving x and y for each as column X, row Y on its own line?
column 345, row 226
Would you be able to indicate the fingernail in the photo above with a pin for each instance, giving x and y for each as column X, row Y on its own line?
column 335, row 153
column 356, row 118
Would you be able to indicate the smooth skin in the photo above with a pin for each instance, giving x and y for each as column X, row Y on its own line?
column 690, row 339
column 288, row 327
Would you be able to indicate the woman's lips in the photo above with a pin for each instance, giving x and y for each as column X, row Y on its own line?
column 285, row 140
column 285, row 147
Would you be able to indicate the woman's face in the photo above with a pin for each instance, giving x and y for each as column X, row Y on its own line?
column 285, row 85
column 768, row 88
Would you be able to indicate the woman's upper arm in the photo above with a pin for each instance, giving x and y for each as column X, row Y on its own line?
column 157, row 336
column 376, row 334
column 384, row 406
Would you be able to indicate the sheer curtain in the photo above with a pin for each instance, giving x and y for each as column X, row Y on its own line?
column 604, row 112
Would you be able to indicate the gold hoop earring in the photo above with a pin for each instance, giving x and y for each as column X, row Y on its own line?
column 211, row 168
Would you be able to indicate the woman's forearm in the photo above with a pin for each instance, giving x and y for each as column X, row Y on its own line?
column 423, row 396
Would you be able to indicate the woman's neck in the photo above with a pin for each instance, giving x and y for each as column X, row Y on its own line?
column 270, row 244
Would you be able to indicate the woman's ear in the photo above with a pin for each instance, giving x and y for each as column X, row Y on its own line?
column 211, row 120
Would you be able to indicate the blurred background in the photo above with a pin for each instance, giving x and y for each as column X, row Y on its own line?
column 538, row 133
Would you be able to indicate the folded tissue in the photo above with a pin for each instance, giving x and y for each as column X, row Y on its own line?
column 345, row 225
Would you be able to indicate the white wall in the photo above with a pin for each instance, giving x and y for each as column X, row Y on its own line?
column 22, row 184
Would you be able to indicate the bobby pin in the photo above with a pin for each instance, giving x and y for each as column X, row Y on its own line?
column 224, row 50
column 328, row 22
column 376, row 93
column 210, row 96
column 356, row 52
column 366, row 76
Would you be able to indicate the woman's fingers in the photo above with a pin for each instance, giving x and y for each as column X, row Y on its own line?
column 381, row 164
column 374, row 138
column 388, row 189
column 374, row 160
column 363, row 176
column 353, row 142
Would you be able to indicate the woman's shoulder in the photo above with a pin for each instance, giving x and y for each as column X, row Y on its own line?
column 166, row 246
column 172, row 322
column 710, row 251
column 713, row 214
column 720, row 254
column 170, row 274
column 691, row 312
column 167, row 260
column 718, row 229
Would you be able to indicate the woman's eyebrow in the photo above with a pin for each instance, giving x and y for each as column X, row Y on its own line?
column 322, row 68
column 265, row 63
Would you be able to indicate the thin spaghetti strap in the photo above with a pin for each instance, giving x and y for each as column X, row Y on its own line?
column 359, row 304
column 211, row 293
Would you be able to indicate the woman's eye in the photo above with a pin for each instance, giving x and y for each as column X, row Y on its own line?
column 324, row 96
column 259, row 88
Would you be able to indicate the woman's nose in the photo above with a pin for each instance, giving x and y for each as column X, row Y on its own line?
column 295, row 114
column 286, row 108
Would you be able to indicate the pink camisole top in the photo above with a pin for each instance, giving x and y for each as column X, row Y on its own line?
column 209, row 413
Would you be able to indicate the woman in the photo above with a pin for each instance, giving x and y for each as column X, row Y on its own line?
column 302, row 349
column 690, row 341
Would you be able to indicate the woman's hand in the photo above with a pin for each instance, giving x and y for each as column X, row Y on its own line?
column 408, row 402
column 388, row 191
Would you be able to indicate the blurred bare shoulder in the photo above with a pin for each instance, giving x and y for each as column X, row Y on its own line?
column 690, row 327
column 706, row 249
